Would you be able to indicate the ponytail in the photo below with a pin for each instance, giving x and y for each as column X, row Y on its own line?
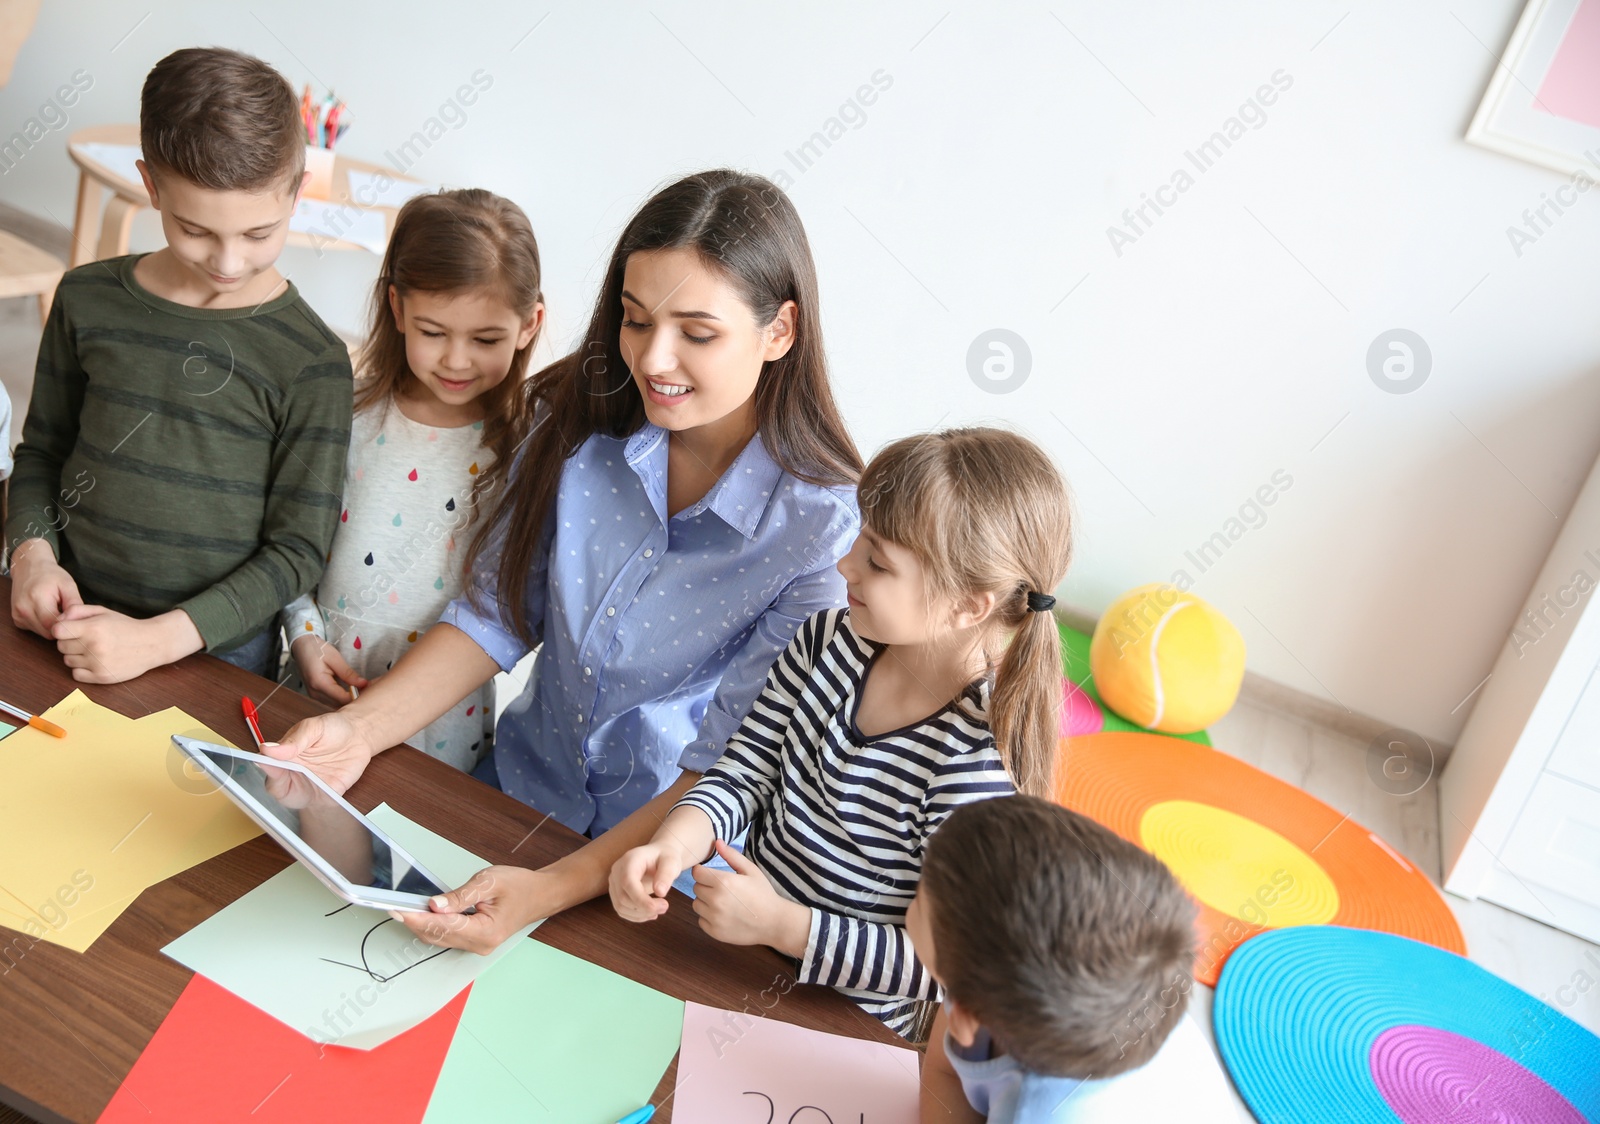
column 985, row 511
column 1025, row 705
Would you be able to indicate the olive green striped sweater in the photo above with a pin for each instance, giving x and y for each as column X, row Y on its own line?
column 179, row 457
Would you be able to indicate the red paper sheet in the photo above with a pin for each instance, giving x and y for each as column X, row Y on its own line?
column 217, row 1058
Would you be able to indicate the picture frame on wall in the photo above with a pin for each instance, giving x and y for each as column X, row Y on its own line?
column 1543, row 100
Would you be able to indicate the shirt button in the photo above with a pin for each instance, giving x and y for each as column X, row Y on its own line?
column 649, row 553
column 586, row 673
column 611, row 610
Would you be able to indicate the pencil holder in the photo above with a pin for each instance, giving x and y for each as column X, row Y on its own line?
column 319, row 162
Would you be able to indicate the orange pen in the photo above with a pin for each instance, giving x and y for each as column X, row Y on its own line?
column 42, row 724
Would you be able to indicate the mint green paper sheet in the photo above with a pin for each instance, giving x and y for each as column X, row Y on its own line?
column 4, row 729
column 549, row 1037
column 339, row 974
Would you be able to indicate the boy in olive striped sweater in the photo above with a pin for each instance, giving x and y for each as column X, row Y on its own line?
column 182, row 460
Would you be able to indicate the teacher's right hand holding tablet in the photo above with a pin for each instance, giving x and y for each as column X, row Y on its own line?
column 442, row 668
column 332, row 745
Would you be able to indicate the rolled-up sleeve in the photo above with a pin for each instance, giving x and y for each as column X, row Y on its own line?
column 820, row 588
column 745, row 777
column 302, row 617
column 487, row 626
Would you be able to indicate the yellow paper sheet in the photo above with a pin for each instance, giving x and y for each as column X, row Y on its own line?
column 70, row 923
column 96, row 817
column 72, row 928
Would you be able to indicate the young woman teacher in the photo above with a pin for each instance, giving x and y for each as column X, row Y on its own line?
column 676, row 513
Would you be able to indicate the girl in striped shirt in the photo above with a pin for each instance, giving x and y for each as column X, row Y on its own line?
column 939, row 685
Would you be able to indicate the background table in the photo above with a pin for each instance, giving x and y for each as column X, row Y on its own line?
column 71, row 1025
column 97, row 235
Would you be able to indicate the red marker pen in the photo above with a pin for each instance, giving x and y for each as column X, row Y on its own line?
column 252, row 719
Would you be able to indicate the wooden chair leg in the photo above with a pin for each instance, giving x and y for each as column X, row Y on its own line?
column 114, row 227
column 86, row 223
column 46, row 299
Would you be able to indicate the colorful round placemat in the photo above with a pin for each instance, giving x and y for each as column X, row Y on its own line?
column 1255, row 852
column 1324, row 1023
column 1080, row 714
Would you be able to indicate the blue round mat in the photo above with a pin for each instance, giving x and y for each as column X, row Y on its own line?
column 1306, row 1016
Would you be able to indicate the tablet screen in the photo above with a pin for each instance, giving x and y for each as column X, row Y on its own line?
column 326, row 826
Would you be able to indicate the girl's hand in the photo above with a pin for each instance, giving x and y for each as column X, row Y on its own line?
column 333, row 746
column 741, row 907
column 41, row 590
column 504, row 899
column 324, row 671
column 641, row 878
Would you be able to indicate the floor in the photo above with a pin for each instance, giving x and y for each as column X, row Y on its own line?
column 1330, row 766
column 1538, row 959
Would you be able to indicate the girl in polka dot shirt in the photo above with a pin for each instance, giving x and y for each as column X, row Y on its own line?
column 455, row 315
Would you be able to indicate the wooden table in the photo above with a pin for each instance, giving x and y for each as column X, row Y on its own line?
column 97, row 235
column 71, row 1025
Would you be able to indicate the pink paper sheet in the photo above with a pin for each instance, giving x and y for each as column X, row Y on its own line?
column 745, row 1069
column 1571, row 87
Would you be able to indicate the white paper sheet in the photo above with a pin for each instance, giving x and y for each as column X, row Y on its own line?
column 326, row 221
column 372, row 189
column 1184, row 1081
column 118, row 158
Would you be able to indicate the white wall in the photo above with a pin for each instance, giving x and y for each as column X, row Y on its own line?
column 1217, row 349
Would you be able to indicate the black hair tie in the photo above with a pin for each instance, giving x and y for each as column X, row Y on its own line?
column 1040, row 602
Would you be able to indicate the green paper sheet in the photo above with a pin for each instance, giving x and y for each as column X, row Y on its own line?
column 339, row 974
column 549, row 1037
column 4, row 729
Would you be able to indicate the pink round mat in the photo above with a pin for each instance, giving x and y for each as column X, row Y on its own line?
column 1428, row 1075
column 1079, row 713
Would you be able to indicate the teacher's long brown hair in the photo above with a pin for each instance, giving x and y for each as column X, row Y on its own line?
column 745, row 227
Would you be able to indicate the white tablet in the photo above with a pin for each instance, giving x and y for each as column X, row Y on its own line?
column 348, row 853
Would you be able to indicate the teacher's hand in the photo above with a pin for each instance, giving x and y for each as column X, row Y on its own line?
column 503, row 899
column 331, row 745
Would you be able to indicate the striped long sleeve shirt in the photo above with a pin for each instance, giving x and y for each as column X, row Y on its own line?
column 178, row 457
column 838, row 820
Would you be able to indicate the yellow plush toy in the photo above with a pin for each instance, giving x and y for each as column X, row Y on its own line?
column 1166, row 660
